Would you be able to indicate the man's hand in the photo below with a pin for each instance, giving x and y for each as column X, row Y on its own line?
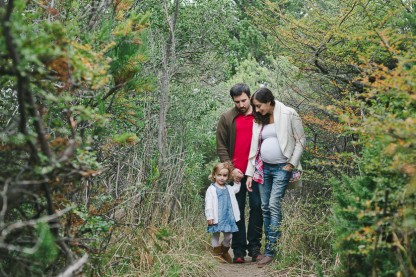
column 249, row 184
column 238, row 175
column 210, row 222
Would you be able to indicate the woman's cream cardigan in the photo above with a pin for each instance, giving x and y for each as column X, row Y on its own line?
column 290, row 134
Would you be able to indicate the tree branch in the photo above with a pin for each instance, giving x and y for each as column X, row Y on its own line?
column 70, row 271
column 22, row 82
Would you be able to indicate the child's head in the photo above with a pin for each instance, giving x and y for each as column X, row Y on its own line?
column 218, row 167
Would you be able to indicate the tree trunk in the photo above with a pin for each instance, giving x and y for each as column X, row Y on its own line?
column 168, row 62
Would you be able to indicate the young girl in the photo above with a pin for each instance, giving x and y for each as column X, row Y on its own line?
column 221, row 210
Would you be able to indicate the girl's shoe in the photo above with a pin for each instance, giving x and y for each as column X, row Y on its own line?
column 225, row 255
column 217, row 253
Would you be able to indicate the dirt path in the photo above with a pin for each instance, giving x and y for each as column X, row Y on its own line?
column 248, row 269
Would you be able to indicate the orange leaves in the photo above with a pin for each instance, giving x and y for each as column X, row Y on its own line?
column 61, row 68
column 89, row 173
column 324, row 124
column 59, row 141
column 409, row 169
column 104, row 208
column 364, row 234
column 52, row 11
column 90, row 66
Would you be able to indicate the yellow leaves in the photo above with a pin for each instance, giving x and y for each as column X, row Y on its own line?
column 364, row 234
column 391, row 148
column 90, row 66
column 88, row 74
column 140, row 58
column 367, row 231
column 145, row 87
column 108, row 46
column 411, row 186
column 127, row 138
column 85, row 47
column 101, row 82
column 121, row 7
column 386, row 41
column 124, row 28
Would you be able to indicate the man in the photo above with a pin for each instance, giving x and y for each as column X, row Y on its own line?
column 234, row 131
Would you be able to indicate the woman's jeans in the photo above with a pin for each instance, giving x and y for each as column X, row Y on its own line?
column 272, row 192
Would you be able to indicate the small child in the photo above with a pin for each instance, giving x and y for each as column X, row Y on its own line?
column 221, row 210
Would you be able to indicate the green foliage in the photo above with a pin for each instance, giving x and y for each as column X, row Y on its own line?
column 360, row 63
column 372, row 220
column 246, row 42
column 94, row 224
column 69, row 86
column 81, row 109
column 127, row 138
column 47, row 250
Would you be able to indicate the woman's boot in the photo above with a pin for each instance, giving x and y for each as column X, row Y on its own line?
column 225, row 255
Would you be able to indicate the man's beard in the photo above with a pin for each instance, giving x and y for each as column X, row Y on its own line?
column 242, row 110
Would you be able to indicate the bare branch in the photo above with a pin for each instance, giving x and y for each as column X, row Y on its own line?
column 70, row 271
column 22, row 81
column 4, row 206
column 31, row 223
column 346, row 16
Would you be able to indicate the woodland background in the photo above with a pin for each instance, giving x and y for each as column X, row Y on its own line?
column 108, row 112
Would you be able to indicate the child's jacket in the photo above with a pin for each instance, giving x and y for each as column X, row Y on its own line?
column 211, row 202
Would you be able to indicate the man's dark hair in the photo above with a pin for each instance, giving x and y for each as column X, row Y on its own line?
column 239, row 89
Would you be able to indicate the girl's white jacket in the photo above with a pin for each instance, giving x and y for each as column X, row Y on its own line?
column 211, row 202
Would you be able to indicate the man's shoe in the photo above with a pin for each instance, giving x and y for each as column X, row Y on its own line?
column 266, row 260
column 238, row 260
column 255, row 255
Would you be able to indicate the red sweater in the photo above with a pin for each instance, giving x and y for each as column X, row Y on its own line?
column 244, row 130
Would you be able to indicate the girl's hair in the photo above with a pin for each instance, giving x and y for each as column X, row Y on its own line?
column 263, row 95
column 218, row 167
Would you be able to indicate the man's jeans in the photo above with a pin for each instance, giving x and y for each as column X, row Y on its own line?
column 255, row 222
column 272, row 192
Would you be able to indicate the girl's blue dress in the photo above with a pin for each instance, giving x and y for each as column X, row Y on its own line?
column 226, row 220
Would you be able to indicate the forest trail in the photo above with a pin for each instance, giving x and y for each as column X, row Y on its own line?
column 248, row 269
